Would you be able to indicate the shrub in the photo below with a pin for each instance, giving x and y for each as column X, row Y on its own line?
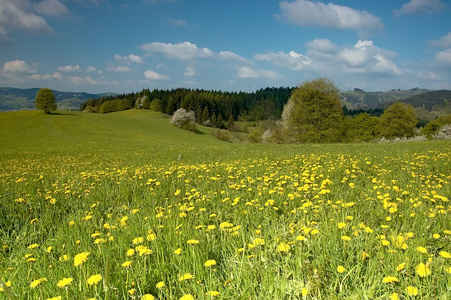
column 183, row 119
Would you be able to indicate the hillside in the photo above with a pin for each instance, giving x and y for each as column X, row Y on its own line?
column 432, row 100
column 23, row 99
column 94, row 134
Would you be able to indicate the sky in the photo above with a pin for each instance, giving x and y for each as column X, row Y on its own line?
column 124, row 46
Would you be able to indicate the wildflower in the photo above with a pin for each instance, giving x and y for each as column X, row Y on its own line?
column 55, row 298
column 192, row 242
column 137, row 240
column 341, row 269
column 422, row 270
column 445, row 254
column 394, row 296
column 259, row 242
column 341, row 225
column 127, row 264
column 390, row 279
column 33, row 246
column 411, row 291
column 132, row 291
column 81, row 258
column 7, row 284
column 283, row 247
column 186, row 276
column 448, row 270
column 64, row 257
column 94, row 279
column 345, row 238
column 147, row 297
column 400, row 267
column 213, row 293
column 151, row 237
column 178, row 251
column 130, row 252
column 304, row 291
column 37, row 282
column 210, row 263
column 64, row 282
column 187, row 297
column 160, row 285
column 143, row 250
column 422, row 250
column 177, row 192
column 436, row 236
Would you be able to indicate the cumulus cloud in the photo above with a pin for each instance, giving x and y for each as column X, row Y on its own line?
column 18, row 15
column 56, row 75
column 317, row 14
column 322, row 45
column 444, row 57
column 152, row 75
column 69, row 68
column 131, row 58
column 17, row 66
column 190, row 72
column 246, row 72
column 230, row 56
column 291, row 60
column 86, row 80
column 51, row 8
column 181, row 51
column 421, row 6
column 443, row 42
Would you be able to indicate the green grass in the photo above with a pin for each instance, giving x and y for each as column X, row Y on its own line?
column 278, row 220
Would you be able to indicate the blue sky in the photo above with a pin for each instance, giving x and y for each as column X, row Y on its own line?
column 236, row 45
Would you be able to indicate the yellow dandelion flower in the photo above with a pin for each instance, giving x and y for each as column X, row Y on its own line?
column 210, row 263
column 178, row 251
column 213, row 293
column 436, row 236
column 130, row 252
column 448, row 270
column 7, row 284
column 186, row 276
column 131, row 291
column 137, row 240
column 81, row 258
column 37, row 282
column 259, row 242
column 192, row 242
column 445, row 254
column 345, row 238
column 143, row 250
column 283, row 247
column 390, row 279
column 422, row 250
column 341, row 269
column 341, row 225
column 127, row 264
column 64, row 282
column 147, row 297
column 64, row 257
column 394, row 296
column 33, row 246
column 400, row 267
column 411, row 291
column 187, row 297
column 151, row 237
column 422, row 270
column 304, row 291
column 160, row 285
column 94, row 279
column 177, row 192
column 55, row 298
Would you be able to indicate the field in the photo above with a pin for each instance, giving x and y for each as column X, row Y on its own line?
column 126, row 206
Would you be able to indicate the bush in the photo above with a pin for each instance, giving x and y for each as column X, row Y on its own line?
column 185, row 120
column 444, row 133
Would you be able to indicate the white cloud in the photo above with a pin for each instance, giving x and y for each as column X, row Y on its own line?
column 17, row 66
column 51, row 8
column 246, row 72
column 152, row 75
column 317, row 14
column 291, row 60
column 119, row 69
column 56, row 75
column 176, row 22
column 87, row 80
column 69, row 68
column 18, row 15
column 131, row 58
column 322, row 45
column 443, row 42
column 230, row 56
column 190, row 72
column 444, row 57
column 182, row 51
column 421, row 6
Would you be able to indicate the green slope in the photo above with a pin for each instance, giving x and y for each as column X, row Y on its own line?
column 133, row 132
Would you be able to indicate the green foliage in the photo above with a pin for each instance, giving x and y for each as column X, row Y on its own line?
column 156, row 105
column 45, row 100
column 398, row 120
column 316, row 114
column 433, row 127
column 112, row 106
column 362, row 127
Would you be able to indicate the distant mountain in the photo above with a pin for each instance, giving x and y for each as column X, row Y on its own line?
column 432, row 100
column 359, row 99
column 23, row 99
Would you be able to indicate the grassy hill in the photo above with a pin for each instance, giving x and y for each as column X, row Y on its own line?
column 72, row 133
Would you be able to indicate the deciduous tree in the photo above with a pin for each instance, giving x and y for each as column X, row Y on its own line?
column 398, row 120
column 45, row 100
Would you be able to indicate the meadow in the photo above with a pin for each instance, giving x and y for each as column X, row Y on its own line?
column 127, row 206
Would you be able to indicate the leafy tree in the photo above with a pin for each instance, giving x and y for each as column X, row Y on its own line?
column 45, row 100
column 231, row 124
column 316, row 114
column 433, row 127
column 398, row 120
column 362, row 127
column 185, row 120
column 156, row 105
